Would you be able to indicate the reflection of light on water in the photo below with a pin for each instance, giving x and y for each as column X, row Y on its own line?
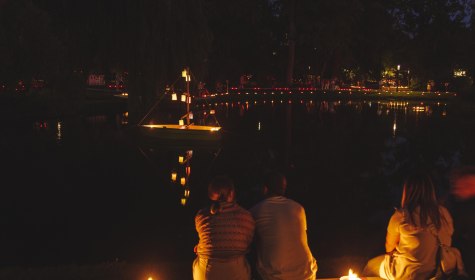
column 419, row 109
column 394, row 127
column 59, row 134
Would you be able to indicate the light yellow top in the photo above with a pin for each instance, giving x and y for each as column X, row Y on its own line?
column 416, row 247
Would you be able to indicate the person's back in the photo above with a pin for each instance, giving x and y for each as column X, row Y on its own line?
column 225, row 231
column 224, row 235
column 413, row 233
column 417, row 247
column 281, row 237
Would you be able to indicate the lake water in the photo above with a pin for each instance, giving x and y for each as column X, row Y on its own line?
column 83, row 190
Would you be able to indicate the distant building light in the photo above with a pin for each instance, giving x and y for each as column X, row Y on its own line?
column 460, row 73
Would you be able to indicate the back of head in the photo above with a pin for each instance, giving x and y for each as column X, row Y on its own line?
column 419, row 192
column 275, row 183
column 221, row 188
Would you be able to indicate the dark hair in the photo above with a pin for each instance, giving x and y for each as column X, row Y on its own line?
column 275, row 183
column 221, row 187
column 419, row 191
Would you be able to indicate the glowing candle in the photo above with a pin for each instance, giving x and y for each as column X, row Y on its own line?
column 351, row 276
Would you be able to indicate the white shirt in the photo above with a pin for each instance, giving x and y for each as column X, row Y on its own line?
column 281, row 232
column 417, row 247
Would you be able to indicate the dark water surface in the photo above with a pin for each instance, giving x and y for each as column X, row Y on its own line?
column 83, row 190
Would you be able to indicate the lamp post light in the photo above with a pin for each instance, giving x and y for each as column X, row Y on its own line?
column 397, row 77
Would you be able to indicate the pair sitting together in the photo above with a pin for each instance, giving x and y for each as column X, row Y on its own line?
column 278, row 226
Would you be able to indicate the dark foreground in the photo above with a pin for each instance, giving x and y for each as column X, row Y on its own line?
column 83, row 199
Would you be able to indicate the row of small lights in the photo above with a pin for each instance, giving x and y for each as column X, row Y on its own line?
column 315, row 90
column 391, row 104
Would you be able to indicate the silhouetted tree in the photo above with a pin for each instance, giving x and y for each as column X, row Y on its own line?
column 28, row 48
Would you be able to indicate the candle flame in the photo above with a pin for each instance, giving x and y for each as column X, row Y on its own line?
column 352, row 276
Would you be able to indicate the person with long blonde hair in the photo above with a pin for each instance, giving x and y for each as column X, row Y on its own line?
column 411, row 238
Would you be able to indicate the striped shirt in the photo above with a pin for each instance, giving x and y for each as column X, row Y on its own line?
column 226, row 234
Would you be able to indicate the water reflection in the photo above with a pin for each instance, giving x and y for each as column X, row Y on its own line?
column 59, row 133
column 177, row 160
column 387, row 107
column 54, row 129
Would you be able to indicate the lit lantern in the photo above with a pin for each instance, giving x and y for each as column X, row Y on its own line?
column 212, row 112
column 181, row 159
column 351, row 276
column 183, row 98
column 174, row 97
column 150, row 278
column 190, row 115
column 181, row 122
column 186, row 193
column 174, row 176
column 184, row 74
column 183, row 201
column 182, row 181
column 188, row 170
column 188, row 99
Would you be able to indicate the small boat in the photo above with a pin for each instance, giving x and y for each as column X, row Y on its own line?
column 182, row 132
column 183, row 129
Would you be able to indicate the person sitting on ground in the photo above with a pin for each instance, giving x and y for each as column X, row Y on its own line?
column 225, row 232
column 281, row 234
column 411, row 242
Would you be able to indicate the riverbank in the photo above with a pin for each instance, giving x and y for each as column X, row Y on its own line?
column 27, row 107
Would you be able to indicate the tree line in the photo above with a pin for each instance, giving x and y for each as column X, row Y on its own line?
column 273, row 40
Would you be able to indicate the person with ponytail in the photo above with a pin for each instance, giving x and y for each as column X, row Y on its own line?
column 412, row 232
column 225, row 232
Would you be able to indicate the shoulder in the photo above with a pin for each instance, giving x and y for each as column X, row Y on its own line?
column 243, row 211
column 202, row 213
column 398, row 216
column 294, row 203
column 444, row 211
column 445, row 214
